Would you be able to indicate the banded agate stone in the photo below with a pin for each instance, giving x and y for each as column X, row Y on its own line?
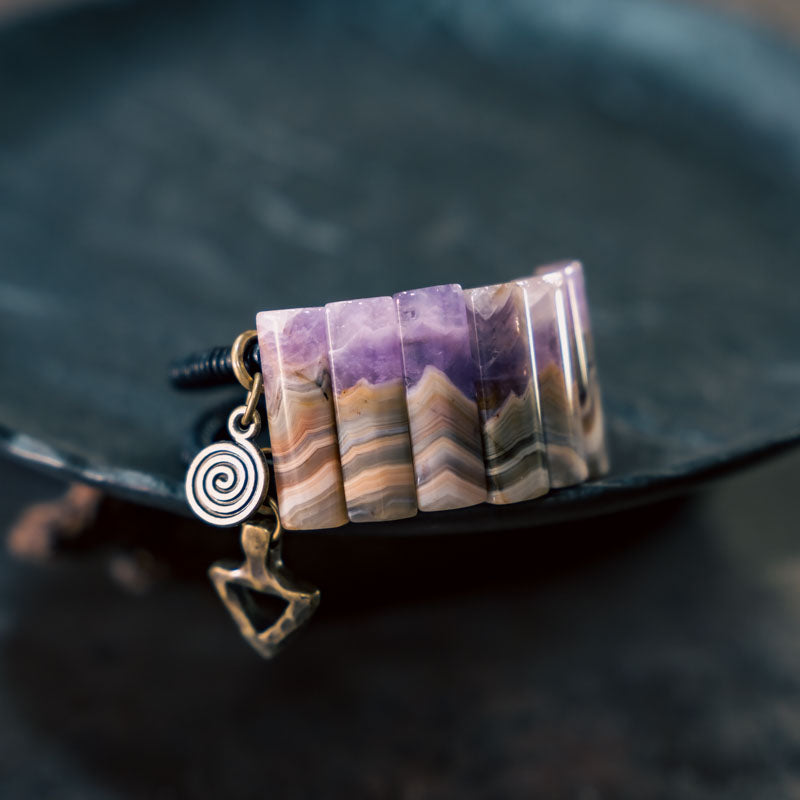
column 508, row 397
column 374, row 443
column 548, row 315
column 589, row 398
column 440, row 380
column 299, row 401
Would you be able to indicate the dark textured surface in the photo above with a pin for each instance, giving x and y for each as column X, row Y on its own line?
column 651, row 656
column 169, row 169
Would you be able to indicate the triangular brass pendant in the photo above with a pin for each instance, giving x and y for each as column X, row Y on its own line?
column 263, row 571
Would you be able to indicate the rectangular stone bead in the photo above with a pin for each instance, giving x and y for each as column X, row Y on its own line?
column 369, row 395
column 546, row 301
column 440, row 380
column 589, row 397
column 508, row 396
column 302, row 429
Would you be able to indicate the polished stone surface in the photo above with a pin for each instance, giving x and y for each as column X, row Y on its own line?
column 369, row 394
column 556, row 365
column 440, row 379
column 302, row 427
column 582, row 341
column 508, row 395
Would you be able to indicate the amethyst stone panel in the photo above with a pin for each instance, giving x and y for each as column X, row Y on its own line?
column 550, row 324
column 589, row 397
column 440, row 382
column 374, row 443
column 299, row 400
column 508, row 398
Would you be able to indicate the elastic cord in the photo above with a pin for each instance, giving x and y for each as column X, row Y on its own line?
column 210, row 368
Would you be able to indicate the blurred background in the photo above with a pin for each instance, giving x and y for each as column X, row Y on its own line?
column 782, row 14
column 166, row 170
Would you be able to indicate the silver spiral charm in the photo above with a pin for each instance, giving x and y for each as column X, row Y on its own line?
column 227, row 482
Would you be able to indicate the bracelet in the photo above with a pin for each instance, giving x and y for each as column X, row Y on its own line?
column 434, row 399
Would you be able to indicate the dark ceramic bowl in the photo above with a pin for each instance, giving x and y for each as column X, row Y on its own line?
column 169, row 169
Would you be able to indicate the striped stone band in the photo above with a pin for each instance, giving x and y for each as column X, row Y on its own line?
column 435, row 399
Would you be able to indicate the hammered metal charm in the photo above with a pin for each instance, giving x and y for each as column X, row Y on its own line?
column 263, row 571
column 226, row 485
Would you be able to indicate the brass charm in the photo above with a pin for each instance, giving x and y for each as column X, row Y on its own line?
column 227, row 484
column 263, row 571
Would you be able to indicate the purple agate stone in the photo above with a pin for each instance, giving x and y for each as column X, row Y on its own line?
column 503, row 351
column 435, row 332
column 552, row 337
column 364, row 337
column 369, row 395
column 440, row 379
column 508, row 398
column 293, row 347
column 582, row 345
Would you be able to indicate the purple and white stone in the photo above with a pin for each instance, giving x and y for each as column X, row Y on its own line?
column 299, row 400
column 369, row 395
column 550, row 325
column 589, row 397
column 440, row 381
column 508, row 397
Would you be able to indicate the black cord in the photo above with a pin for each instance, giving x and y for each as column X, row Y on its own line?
column 210, row 368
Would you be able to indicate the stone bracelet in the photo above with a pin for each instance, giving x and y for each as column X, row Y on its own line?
column 434, row 399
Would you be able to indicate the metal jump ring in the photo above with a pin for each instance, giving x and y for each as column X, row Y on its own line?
column 238, row 350
column 243, row 433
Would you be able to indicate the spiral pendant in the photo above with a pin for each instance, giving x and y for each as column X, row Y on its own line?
column 227, row 481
